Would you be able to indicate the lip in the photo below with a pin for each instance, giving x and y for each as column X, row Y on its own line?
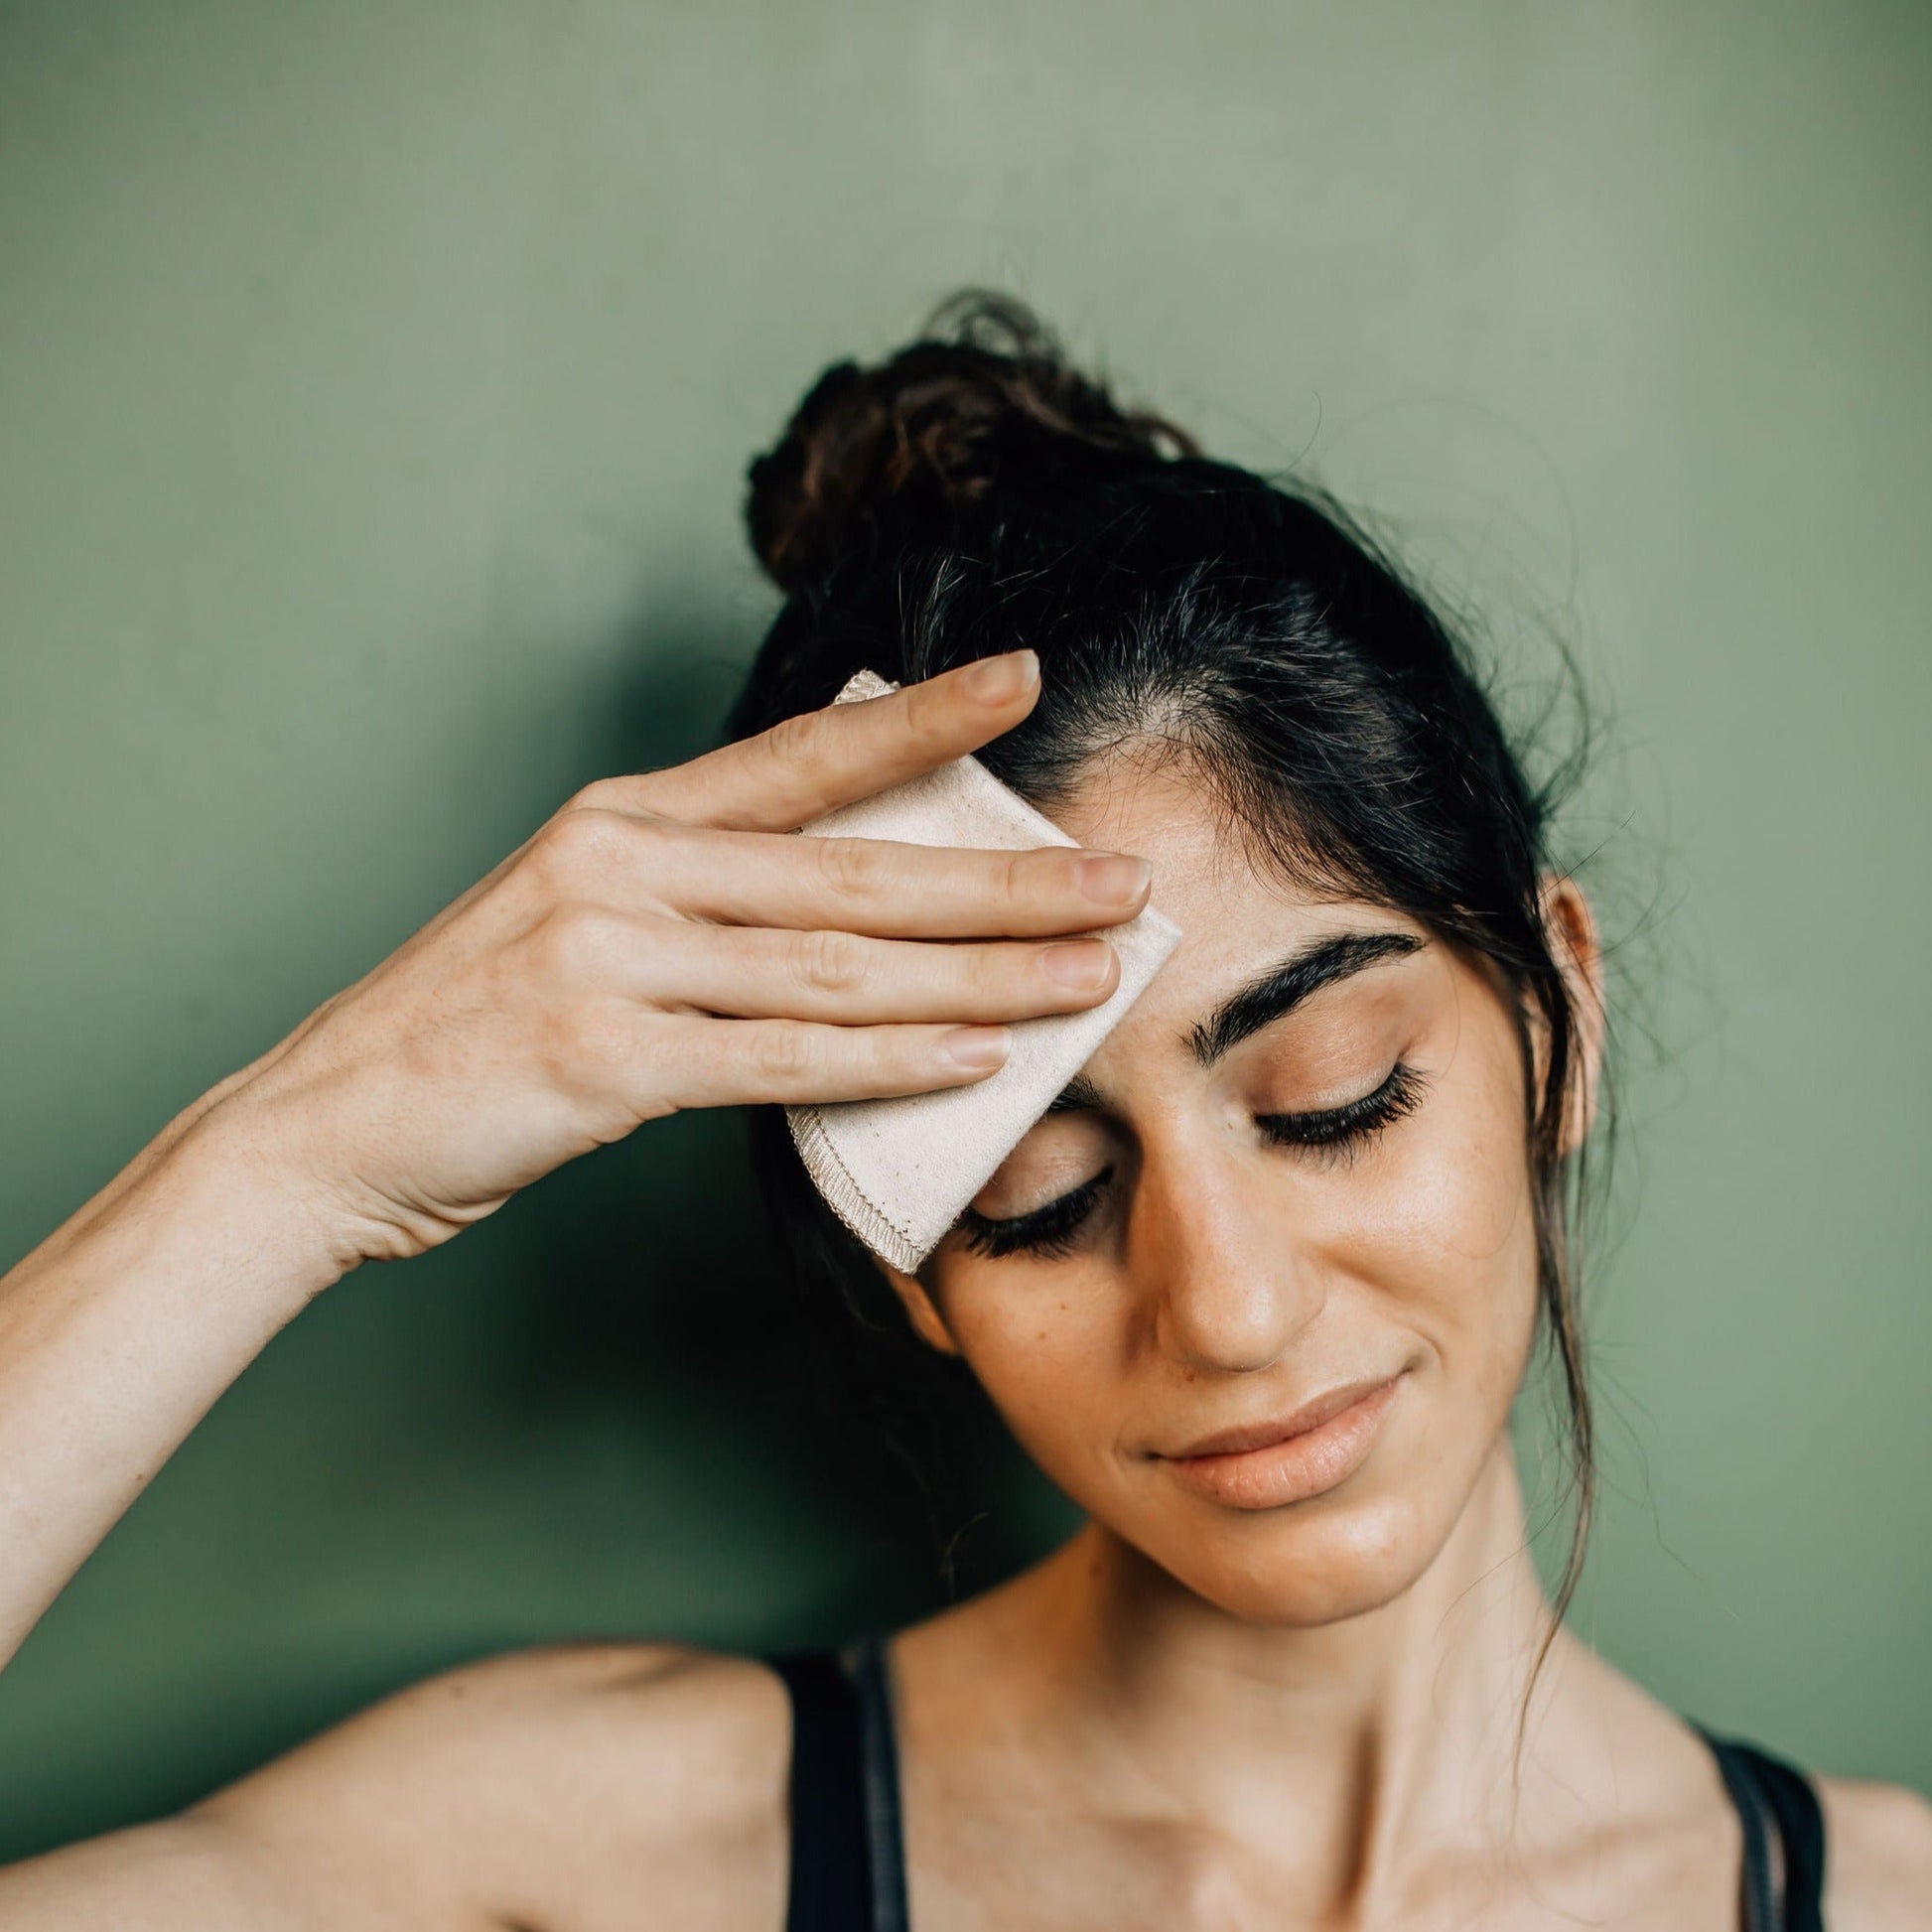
column 1266, row 1466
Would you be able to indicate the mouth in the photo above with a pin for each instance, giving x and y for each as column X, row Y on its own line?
column 1269, row 1465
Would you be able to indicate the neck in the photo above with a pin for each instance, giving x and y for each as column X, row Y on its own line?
column 1373, row 1741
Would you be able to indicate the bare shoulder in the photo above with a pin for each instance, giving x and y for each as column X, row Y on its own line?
column 558, row 1787
column 1877, row 1856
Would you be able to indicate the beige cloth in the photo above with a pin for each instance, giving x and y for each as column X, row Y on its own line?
column 897, row 1171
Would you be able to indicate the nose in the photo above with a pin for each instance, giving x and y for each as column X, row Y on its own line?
column 1229, row 1286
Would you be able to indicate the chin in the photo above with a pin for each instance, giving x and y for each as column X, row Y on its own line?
column 1312, row 1563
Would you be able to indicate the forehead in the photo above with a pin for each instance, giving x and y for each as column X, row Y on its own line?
column 1238, row 916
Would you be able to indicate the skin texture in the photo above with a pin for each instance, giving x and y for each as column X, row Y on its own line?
column 1299, row 1717
column 1226, row 1281
column 1356, row 1658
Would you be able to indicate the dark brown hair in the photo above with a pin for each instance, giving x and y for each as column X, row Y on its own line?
column 973, row 492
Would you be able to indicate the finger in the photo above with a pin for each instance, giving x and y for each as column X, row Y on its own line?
column 849, row 979
column 801, row 1062
column 811, row 764
column 887, row 887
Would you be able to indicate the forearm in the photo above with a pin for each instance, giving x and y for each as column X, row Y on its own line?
column 119, row 1331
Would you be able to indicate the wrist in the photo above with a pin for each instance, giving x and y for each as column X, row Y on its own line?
column 231, row 1167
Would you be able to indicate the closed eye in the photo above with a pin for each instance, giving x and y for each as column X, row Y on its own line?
column 1046, row 1231
column 1343, row 1129
column 1334, row 1131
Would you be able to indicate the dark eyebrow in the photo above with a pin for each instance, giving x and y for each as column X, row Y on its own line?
column 1079, row 1092
column 1284, row 987
column 1264, row 999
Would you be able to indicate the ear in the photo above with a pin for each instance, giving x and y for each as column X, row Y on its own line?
column 920, row 1308
column 1576, row 946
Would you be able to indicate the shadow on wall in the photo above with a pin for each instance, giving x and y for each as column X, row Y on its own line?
column 421, row 1473
column 654, row 1257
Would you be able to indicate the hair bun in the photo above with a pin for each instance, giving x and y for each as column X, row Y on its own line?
column 982, row 401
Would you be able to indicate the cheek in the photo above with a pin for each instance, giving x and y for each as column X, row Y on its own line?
column 1053, row 1359
column 1446, row 1229
column 1429, row 1239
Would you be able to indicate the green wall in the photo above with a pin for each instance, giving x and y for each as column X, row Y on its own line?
column 375, row 385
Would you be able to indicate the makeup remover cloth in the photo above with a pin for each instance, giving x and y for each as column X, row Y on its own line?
column 897, row 1171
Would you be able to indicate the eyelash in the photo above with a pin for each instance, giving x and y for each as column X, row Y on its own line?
column 1340, row 1130
column 1048, row 1231
column 1336, row 1133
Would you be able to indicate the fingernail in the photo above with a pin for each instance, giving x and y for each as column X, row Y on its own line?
column 1113, row 878
column 978, row 1047
column 995, row 679
column 1080, row 963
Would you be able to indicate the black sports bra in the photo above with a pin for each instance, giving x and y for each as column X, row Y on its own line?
column 848, row 1860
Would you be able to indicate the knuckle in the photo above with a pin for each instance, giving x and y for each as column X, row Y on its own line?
column 597, row 796
column 585, row 844
column 581, row 1041
column 994, row 972
column 784, row 1053
column 855, row 868
column 574, row 843
column 575, row 940
column 1053, row 876
column 644, row 845
column 906, row 1056
column 931, row 714
column 829, row 962
column 795, row 741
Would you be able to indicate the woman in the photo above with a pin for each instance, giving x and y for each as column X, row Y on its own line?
column 1258, row 1292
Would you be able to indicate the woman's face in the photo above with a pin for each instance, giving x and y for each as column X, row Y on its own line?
column 1264, row 1197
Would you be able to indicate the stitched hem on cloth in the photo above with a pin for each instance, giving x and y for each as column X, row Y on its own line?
column 849, row 1202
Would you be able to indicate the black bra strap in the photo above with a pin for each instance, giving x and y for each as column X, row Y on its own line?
column 886, row 1831
column 1764, row 1787
column 1801, row 1823
column 831, row 1872
column 848, row 1860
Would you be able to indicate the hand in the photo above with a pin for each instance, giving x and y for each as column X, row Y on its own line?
column 663, row 942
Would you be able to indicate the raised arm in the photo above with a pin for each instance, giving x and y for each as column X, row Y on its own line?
column 659, row 944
